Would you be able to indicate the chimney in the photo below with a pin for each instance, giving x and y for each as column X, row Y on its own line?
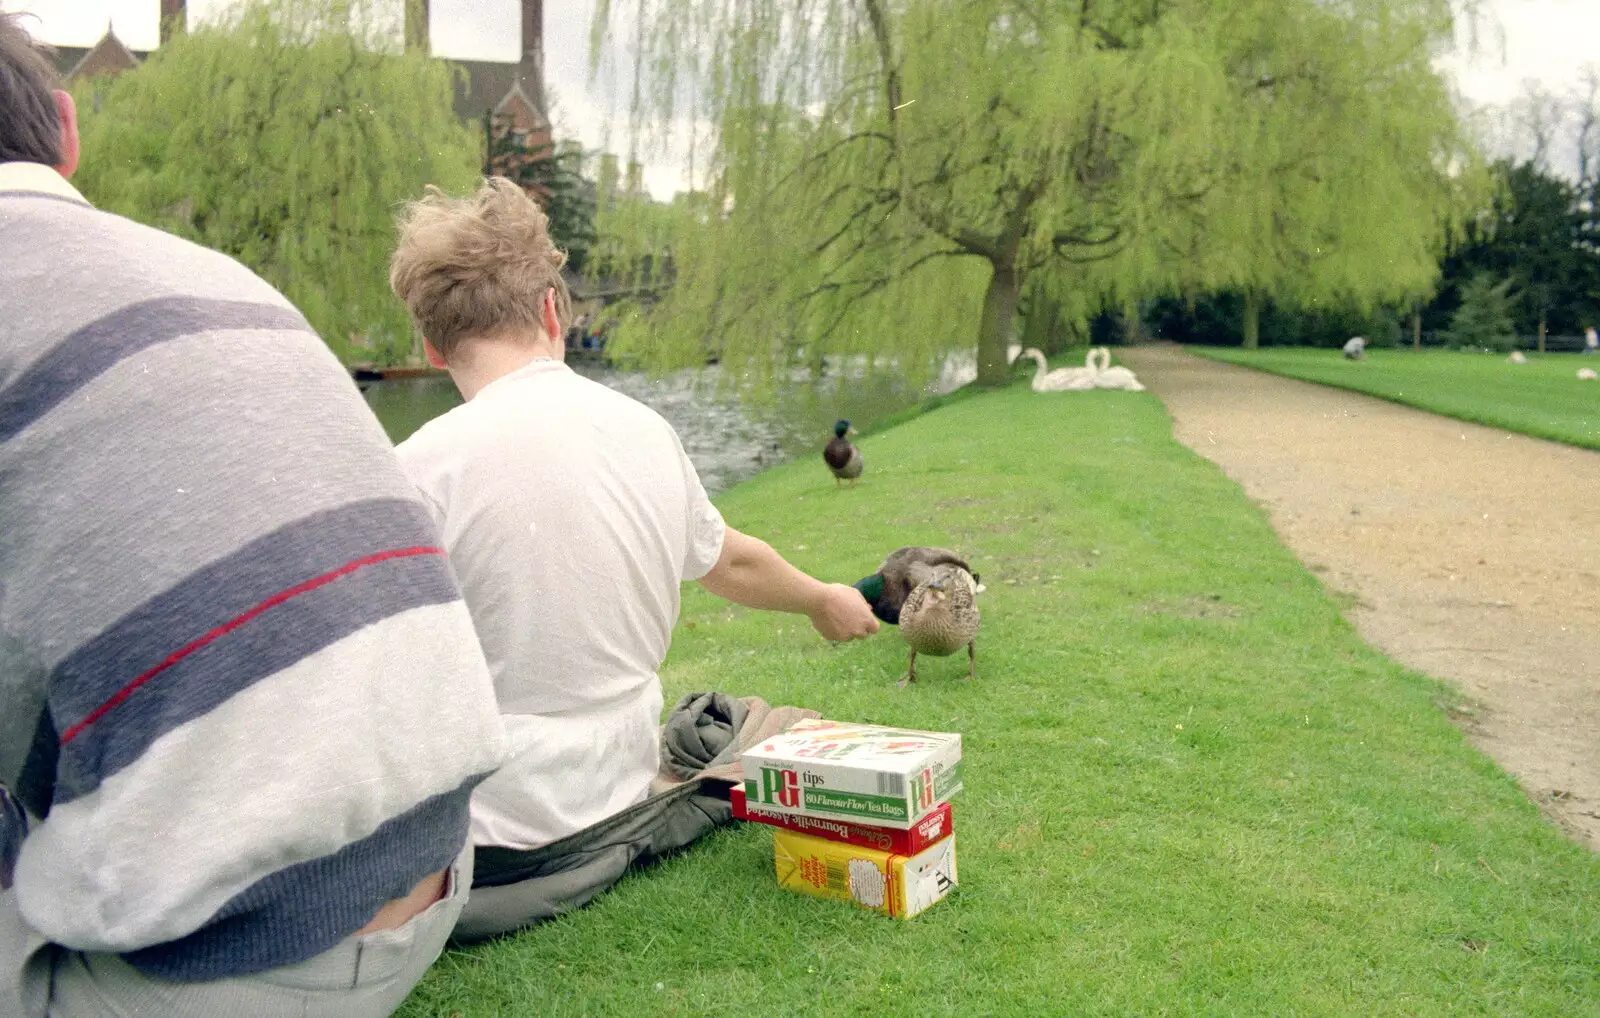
column 417, row 25
column 530, row 71
column 174, row 20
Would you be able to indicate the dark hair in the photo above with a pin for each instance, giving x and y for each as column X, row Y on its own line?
column 30, row 127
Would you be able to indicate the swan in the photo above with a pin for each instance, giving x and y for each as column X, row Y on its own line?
column 1062, row 379
column 1108, row 377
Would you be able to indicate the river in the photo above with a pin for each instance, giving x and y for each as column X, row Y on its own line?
column 727, row 438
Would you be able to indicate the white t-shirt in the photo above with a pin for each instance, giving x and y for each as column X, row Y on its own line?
column 571, row 515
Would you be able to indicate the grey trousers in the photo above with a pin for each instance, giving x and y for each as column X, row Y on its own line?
column 362, row 977
column 517, row 888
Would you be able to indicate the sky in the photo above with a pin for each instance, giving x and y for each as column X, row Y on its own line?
column 1548, row 41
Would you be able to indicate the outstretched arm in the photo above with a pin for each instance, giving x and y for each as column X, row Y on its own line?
column 750, row 573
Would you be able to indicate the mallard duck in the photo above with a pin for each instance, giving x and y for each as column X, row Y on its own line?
column 940, row 616
column 902, row 572
column 843, row 458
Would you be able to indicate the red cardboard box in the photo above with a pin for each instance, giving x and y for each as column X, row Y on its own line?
column 930, row 829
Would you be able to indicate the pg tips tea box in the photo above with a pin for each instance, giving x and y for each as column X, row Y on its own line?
column 884, row 777
column 898, row 886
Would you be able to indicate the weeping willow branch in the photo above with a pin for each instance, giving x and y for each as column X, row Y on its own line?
column 1091, row 153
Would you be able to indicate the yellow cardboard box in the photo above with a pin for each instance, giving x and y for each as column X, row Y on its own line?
column 896, row 885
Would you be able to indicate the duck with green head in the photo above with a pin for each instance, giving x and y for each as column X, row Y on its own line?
column 903, row 571
column 931, row 594
column 843, row 458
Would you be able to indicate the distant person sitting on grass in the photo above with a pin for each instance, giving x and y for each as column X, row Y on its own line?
column 571, row 515
column 1355, row 349
column 242, row 706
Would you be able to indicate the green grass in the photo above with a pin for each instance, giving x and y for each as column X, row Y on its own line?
column 1191, row 789
column 1543, row 398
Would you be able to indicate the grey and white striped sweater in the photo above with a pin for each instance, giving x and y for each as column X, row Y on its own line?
column 240, row 698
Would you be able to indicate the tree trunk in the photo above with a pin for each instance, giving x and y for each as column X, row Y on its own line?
column 1416, row 330
column 1541, row 331
column 1252, row 320
column 1132, row 325
column 994, row 331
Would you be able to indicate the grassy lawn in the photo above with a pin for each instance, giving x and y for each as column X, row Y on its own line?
column 1191, row 789
column 1543, row 398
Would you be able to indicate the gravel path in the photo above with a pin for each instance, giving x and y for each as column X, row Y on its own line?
column 1470, row 551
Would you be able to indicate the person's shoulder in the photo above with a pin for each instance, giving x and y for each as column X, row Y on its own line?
column 620, row 405
column 445, row 436
column 224, row 276
column 93, row 251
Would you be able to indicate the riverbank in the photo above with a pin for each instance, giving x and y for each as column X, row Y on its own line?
column 1192, row 788
column 729, row 438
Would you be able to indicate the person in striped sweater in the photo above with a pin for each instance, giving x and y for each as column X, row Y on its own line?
column 242, row 707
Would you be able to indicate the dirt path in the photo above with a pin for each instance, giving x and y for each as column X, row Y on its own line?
column 1471, row 551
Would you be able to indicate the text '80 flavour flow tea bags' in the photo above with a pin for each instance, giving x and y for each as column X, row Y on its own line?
column 885, row 777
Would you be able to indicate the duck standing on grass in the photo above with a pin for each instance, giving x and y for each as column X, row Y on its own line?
column 931, row 594
column 940, row 617
column 903, row 571
column 843, row 458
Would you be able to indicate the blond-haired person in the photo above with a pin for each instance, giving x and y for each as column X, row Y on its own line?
column 571, row 515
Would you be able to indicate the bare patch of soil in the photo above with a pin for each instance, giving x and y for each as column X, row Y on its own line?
column 1466, row 552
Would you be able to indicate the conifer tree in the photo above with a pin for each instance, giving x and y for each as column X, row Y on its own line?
column 1484, row 320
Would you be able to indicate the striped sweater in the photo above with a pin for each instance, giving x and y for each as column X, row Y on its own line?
column 241, row 703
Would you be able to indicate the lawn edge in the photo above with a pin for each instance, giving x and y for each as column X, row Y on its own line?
column 1487, row 421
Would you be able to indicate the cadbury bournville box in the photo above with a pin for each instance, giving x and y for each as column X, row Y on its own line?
column 931, row 828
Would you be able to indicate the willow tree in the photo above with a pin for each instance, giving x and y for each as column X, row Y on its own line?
column 1346, row 170
column 285, row 134
column 894, row 173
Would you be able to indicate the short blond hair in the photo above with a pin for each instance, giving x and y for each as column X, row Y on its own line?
column 477, row 266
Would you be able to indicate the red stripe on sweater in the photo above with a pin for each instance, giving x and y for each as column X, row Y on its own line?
column 234, row 623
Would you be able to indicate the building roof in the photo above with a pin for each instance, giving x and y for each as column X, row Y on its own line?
column 108, row 56
column 482, row 86
column 523, row 112
column 67, row 57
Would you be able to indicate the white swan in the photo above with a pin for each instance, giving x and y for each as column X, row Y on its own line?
column 1109, row 377
column 1062, row 379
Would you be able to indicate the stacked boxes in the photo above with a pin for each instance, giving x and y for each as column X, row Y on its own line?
column 861, row 811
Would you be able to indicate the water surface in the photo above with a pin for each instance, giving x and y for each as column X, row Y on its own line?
column 727, row 438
